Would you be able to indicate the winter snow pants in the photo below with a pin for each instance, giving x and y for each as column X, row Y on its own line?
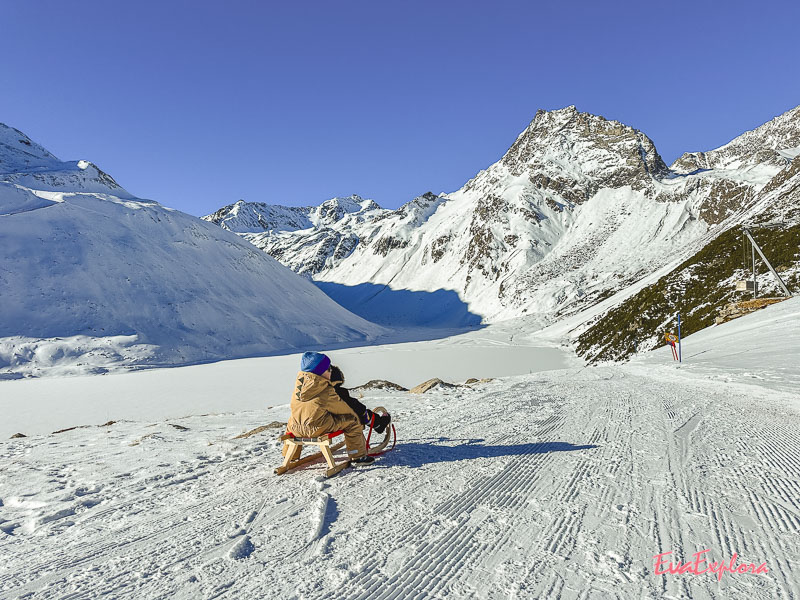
column 353, row 436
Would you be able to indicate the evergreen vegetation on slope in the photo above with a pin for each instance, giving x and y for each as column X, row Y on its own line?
column 697, row 289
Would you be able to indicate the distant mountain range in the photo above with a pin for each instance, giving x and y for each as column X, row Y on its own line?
column 580, row 213
column 578, row 209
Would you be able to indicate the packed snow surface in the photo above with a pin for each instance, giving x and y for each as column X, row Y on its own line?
column 557, row 484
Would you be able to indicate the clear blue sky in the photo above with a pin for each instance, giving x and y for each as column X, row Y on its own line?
column 197, row 104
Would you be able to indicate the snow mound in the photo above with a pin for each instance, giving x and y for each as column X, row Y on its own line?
column 242, row 549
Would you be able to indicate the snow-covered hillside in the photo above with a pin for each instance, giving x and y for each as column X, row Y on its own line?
column 703, row 286
column 563, row 484
column 92, row 279
column 579, row 208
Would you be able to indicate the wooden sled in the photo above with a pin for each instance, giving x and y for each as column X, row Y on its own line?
column 293, row 447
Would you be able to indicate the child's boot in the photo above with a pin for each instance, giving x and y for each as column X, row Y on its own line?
column 382, row 422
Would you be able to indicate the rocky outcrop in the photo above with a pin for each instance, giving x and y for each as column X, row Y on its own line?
column 379, row 384
column 739, row 309
column 426, row 386
column 473, row 380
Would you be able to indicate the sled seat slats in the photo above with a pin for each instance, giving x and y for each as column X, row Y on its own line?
column 311, row 440
column 293, row 446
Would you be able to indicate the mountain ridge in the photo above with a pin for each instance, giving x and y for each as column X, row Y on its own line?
column 575, row 210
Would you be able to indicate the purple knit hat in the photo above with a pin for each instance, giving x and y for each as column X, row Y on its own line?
column 314, row 362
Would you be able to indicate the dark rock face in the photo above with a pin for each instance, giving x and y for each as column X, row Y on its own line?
column 345, row 246
column 383, row 245
column 724, row 199
column 566, row 189
column 380, row 384
column 439, row 247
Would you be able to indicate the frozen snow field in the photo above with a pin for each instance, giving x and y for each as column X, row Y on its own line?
column 40, row 406
column 563, row 483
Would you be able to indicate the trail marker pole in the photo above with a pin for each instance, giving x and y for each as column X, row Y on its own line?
column 679, row 337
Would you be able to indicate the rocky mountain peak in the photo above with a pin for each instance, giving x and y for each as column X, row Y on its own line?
column 428, row 197
column 419, row 209
column 336, row 209
column 584, row 152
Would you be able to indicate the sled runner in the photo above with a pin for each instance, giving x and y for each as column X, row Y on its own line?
column 293, row 447
column 379, row 449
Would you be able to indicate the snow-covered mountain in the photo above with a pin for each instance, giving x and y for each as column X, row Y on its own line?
column 302, row 238
column 577, row 209
column 24, row 164
column 93, row 278
column 778, row 203
column 704, row 284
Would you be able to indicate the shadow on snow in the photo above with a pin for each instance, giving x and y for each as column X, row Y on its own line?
column 415, row 453
column 442, row 309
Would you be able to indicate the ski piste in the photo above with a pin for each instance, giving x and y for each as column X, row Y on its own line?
column 564, row 483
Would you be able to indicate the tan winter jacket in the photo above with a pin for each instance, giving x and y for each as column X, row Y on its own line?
column 314, row 404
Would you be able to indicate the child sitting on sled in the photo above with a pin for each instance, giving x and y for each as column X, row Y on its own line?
column 365, row 415
column 317, row 408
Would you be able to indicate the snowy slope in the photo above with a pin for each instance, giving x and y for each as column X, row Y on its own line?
column 92, row 278
column 760, row 349
column 778, row 203
column 560, row 484
column 702, row 286
column 578, row 208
